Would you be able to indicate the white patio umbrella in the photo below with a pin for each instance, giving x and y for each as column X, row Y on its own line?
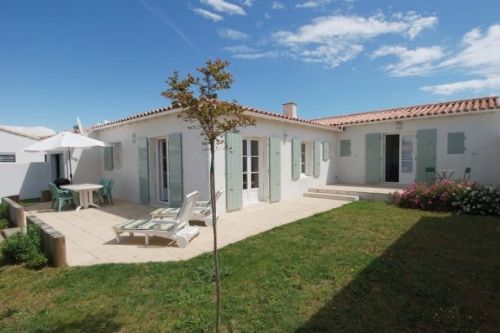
column 65, row 140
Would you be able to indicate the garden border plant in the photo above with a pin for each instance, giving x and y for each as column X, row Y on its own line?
column 463, row 197
column 25, row 248
column 4, row 223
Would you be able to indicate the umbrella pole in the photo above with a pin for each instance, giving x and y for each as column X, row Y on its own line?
column 69, row 162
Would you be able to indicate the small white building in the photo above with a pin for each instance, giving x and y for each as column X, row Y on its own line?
column 22, row 173
column 156, row 159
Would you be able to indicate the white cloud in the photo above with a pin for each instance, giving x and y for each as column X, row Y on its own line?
column 327, row 28
column 250, row 53
column 240, row 49
column 225, row 7
column 330, row 54
column 313, row 4
column 233, row 34
column 207, row 14
column 277, row 5
column 418, row 61
column 332, row 40
column 476, row 85
column 248, row 3
column 478, row 56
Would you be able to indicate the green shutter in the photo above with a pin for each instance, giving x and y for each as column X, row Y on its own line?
column 456, row 143
column 108, row 158
column 274, row 169
column 426, row 152
column 142, row 144
column 345, row 148
column 295, row 159
column 326, row 150
column 317, row 159
column 373, row 158
column 175, row 169
column 234, row 171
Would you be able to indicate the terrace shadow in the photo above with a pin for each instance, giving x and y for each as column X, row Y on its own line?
column 443, row 275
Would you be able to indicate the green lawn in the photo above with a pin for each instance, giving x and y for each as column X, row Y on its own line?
column 365, row 267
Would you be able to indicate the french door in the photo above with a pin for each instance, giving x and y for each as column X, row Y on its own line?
column 250, row 170
column 163, row 188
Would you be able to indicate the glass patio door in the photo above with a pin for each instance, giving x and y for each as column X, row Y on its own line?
column 163, row 188
column 250, row 171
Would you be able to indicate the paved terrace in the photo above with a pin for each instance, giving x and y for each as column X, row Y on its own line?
column 90, row 239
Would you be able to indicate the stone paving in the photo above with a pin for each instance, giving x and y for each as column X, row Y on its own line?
column 90, row 239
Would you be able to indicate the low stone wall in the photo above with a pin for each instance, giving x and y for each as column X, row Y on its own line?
column 15, row 213
column 54, row 243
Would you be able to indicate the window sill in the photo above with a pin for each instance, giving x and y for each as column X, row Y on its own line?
column 304, row 176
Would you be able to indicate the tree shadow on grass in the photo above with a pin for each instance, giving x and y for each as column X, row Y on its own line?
column 443, row 275
column 103, row 322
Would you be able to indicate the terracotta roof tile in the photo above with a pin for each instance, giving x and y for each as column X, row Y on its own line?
column 249, row 109
column 417, row 111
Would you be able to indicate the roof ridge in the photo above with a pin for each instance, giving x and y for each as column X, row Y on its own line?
column 410, row 107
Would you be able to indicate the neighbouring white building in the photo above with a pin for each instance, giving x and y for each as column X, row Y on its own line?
column 155, row 159
column 22, row 173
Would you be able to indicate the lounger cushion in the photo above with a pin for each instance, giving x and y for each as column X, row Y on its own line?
column 145, row 225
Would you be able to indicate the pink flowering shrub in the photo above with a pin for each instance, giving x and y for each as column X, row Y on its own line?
column 439, row 196
column 450, row 195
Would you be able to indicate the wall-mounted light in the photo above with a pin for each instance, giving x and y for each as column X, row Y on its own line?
column 134, row 138
column 399, row 125
column 285, row 137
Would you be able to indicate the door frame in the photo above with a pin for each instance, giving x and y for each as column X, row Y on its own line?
column 414, row 167
column 263, row 189
column 158, row 167
column 384, row 156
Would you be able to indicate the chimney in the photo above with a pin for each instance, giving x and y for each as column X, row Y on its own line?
column 290, row 109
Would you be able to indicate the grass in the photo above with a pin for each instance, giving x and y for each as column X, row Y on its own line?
column 365, row 267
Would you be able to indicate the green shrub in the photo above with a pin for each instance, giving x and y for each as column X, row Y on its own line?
column 25, row 248
column 3, row 210
column 4, row 223
column 479, row 200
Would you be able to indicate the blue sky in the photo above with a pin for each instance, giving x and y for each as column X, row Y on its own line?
column 101, row 60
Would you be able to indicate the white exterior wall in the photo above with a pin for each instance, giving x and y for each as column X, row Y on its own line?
column 12, row 143
column 29, row 175
column 194, row 157
column 286, row 132
column 482, row 143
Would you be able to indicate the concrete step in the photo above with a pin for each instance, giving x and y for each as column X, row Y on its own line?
column 331, row 196
column 6, row 233
column 360, row 193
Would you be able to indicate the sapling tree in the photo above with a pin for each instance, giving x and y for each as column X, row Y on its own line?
column 197, row 96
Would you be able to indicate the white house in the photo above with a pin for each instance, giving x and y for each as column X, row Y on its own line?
column 22, row 173
column 156, row 159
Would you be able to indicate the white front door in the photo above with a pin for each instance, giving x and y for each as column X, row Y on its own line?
column 163, row 187
column 251, row 165
column 407, row 163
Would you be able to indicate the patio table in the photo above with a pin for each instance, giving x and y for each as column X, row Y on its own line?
column 444, row 174
column 85, row 194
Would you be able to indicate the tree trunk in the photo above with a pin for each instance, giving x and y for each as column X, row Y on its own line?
column 214, row 229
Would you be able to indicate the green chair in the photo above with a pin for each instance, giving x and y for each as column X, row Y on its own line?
column 105, row 193
column 60, row 198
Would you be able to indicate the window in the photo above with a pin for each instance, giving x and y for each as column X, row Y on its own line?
column 456, row 143
column 117, row 155
column 250, row 156
column 303, row 158
column 7, row 158
column 345, row 148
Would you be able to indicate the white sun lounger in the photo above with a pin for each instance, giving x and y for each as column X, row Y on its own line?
column 202, row 211
column 177, row 229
